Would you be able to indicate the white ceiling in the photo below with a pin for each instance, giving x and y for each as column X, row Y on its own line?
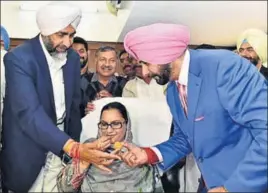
column 94, row 26
column 212, row 22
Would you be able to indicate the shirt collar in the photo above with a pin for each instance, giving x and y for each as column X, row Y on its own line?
column 51, row 62
column 95, row 78
column 183, row 77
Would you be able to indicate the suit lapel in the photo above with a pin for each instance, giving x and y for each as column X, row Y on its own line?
column 193, row 93
column 178, row 114
column 42, row 61
column 194, row 85
column 68, row 79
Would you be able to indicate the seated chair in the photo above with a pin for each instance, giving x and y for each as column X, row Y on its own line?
column 151, row 121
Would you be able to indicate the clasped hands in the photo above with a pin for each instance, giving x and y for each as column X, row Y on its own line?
column 93, row 153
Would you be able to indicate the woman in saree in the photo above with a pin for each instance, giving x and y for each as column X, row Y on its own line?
column 114, row 129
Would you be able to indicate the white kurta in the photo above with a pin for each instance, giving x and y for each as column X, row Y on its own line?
column 139, row 88
column 189, row 175
column 46, row 180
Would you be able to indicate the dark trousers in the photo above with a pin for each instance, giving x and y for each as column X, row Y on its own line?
column 170, row 178
column 202, row 187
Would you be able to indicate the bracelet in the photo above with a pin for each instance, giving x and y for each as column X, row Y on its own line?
column 74, row 152
column 152, row 157
column 68, row 146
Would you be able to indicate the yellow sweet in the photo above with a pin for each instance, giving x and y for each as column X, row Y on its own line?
column 118, row 145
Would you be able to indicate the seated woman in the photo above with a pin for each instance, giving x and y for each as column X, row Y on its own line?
column 115, row 126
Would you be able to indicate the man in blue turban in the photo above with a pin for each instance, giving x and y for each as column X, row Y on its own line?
column 5, row 41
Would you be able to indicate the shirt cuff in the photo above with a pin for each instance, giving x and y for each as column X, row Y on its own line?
column 158, row 153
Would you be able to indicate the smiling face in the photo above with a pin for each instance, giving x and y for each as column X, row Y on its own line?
column 106, row 63
column 163, row 73
column 247, row 51
column 112, row 124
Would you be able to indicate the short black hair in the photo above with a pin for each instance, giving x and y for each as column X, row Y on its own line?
column 206, row 46
column 105, row 49
column 121, row 53
column 79, row 40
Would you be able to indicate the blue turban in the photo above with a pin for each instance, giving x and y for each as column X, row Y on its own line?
column 5, row 38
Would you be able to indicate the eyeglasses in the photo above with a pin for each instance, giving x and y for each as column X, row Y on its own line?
column 115, row 125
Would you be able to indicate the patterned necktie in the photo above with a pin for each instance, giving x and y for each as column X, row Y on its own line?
column 183, row 97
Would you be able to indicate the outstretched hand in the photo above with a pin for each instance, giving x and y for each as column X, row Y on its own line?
column 102, row 166
column 134, row 156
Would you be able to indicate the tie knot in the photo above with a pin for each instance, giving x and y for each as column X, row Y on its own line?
column 181, row 86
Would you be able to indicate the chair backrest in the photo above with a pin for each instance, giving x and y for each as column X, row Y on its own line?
column 150, row 119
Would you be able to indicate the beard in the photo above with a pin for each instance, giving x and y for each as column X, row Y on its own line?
column 164, row 75
column 83, row 62
column 254, row 61
column 55, row 54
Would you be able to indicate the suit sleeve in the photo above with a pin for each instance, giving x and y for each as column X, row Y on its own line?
column 174, row 149
column 243, row 93
column 75, row 126
column 28, row 110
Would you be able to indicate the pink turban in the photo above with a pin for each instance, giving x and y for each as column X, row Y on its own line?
column 157, row 43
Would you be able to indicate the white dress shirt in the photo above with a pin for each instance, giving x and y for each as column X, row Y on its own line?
column 47, row 178
column 3, row 87
column 3, row 80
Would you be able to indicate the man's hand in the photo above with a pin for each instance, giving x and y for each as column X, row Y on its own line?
column 89, row 108
column 104, row 93
column 134, row 156
column 218, row 189
column 98, row 158
column 102, row 166
column 86, row 152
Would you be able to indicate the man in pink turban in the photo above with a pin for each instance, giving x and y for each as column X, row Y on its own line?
column 41, row 115
column 219, row 107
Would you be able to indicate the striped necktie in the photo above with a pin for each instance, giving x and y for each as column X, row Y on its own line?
column 183, row 97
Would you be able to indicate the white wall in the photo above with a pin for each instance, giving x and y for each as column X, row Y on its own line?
column 101, row 26
column 212, row 22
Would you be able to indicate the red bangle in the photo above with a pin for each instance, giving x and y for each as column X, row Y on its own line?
column 74, row 152
column 152, row 157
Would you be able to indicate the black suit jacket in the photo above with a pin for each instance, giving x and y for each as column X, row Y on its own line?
column 264, row 72
column 29, row 115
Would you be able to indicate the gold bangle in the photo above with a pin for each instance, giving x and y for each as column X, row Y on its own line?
column 68, row 146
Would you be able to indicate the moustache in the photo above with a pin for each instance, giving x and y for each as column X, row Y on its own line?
column 252, row 60
column 161, row 80
column 163, row 77
column 106, row 68
column 127, row 66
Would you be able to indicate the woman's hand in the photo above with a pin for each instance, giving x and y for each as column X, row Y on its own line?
column 102, row 143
